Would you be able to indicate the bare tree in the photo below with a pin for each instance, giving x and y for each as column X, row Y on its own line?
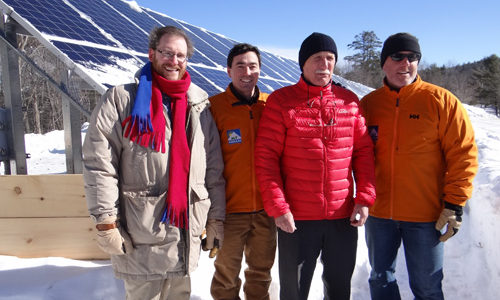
column 41, row 102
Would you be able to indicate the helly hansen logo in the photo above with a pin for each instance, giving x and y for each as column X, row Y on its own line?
column 414, row 116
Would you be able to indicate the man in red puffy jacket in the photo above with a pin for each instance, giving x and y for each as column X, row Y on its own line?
column 311, row 144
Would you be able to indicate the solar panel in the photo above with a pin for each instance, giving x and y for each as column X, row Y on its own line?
column 211, row 80
column 103, row 37
column 110, row 20
column 55, row 19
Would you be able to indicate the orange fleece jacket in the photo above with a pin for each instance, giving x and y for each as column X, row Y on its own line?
column 237, row 125
column 425, row 151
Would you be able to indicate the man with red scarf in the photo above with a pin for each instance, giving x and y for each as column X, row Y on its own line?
column 153, row 173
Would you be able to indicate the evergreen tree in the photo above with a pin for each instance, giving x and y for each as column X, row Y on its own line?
column 365, row 63
column 487, row 77
column 366, row 44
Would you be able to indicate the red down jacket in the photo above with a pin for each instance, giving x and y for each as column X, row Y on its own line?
column 311, row 141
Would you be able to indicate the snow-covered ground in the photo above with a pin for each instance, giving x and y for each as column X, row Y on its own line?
column 472, row 265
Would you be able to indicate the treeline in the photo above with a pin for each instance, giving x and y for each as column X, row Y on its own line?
column 475, row 83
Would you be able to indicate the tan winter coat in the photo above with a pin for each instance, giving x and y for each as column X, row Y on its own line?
column 130, row 181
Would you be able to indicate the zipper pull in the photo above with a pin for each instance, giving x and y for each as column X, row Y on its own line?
column 251, row 114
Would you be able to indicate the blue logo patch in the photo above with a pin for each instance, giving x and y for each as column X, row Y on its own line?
column 234, row 136
column 373, row 131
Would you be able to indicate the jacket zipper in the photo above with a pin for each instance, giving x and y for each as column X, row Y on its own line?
column 393, row 154
column 252, row 141
column 190, row 124
column 325, row 158
column 187, row 232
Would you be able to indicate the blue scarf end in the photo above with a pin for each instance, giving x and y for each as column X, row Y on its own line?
column 141, row 112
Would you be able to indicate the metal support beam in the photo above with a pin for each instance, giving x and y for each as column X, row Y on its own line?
column 13, row 102
column 50, row 80
column 72, row 130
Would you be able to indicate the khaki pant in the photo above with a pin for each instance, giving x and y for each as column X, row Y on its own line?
column 177, row 288
column 255, row 235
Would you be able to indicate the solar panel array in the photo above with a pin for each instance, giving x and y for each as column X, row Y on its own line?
column 101, row 34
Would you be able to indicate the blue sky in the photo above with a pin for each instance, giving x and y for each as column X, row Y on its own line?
column 450, row 32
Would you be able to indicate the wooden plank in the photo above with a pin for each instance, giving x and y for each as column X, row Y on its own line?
column 45, row 237
column 42, row 196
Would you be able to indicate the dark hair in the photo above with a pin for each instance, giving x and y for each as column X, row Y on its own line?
column 241, row 49
column 158, row 32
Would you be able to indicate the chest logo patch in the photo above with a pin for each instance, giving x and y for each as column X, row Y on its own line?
column 373, row 131
column 234, row 136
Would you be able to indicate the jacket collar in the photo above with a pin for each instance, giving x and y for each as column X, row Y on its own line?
column 242, row 100
column 406, row 89
column 195, row 94
column 314, row 90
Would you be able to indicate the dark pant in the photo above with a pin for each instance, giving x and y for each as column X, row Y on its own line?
column 423, row 253
column 335, row 240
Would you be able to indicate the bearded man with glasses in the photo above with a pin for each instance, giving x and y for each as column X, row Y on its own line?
column 425, row 162
column 153, row 173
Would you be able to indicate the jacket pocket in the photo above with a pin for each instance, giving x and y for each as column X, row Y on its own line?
column 143, row 217
column 200, row 192
column 200, row 205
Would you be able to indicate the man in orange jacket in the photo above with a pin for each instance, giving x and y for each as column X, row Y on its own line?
column 247, row 228
column 425, row 161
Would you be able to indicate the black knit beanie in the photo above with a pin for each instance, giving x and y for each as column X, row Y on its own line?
column 315, row 43
column 399, row 42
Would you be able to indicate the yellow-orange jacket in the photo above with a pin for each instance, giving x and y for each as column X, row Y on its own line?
column 424, row 151
column 237, row 124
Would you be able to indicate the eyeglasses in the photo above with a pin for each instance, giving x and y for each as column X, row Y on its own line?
column 181, row 58
column 400, row 56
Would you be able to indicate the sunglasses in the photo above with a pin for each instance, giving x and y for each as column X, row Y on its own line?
column 400, row 56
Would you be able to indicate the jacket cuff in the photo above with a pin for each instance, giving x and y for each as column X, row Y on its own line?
column 103, row 218
column 457, row 208
column 365, row 199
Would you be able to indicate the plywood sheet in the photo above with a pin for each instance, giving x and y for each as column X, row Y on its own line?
column 45, row 237
column 42, row 196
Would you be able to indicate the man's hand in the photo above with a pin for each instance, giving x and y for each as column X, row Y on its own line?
column 451, row 215
column 109, row 238
column 286, row 222
column 359, row 215
column 215, row 236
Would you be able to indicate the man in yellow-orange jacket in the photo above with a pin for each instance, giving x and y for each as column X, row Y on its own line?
column 425, row 162
column 247, row 228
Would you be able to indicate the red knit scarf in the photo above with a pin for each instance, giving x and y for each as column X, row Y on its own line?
column 179, row 158
column 177, row 200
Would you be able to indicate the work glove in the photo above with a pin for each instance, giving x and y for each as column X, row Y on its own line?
column 451, row 215
column 214, row 237
column 110, row 239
